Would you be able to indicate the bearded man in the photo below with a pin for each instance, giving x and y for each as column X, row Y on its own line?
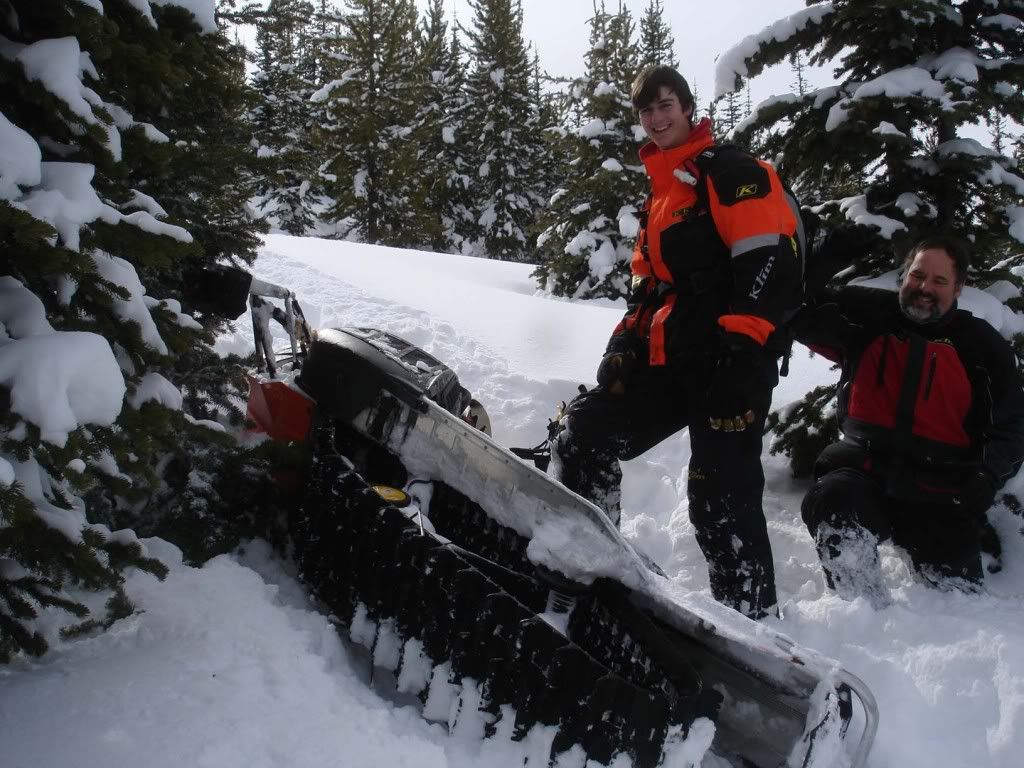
column 931, row 414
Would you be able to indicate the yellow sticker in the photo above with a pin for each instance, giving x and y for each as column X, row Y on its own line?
column 746, row 191
column 392, row 495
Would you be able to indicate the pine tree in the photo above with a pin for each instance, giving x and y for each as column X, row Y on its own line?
column 370, row 100
column 729, row 114
column 133, row 168
column 286, row 192
column 912, row 80
column 798, row 67
column 657, row 45
column 499, row 114
column 954, row 63
column 77, row 328
column 444, row 169
column 592, row 221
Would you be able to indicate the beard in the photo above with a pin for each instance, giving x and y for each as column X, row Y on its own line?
column 929, row 313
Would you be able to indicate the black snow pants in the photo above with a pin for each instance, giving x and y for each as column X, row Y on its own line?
column 848, row 513
column 726, row 479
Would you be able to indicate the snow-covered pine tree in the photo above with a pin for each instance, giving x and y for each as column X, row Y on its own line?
column 84, row 351
column 591, row 222
column 657, row 44
column 499, row 120
column 443, row 167
column 285, row 193
column 210, row 491
column 554, row 153
column 913, row 81
column 371, row 98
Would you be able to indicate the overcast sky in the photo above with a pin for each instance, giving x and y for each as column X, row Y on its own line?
column 702, row 30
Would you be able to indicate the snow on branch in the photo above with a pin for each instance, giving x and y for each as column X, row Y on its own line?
column 203, row 11
column 58, row 65
column 903, row 83
column 856, row 210
column 1003, row 21
column 20, row 159
column 733, row 63
column 61, row 381
column 1015, row 214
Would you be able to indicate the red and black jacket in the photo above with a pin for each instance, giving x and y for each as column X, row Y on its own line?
column 719, row 248
column 932, row 399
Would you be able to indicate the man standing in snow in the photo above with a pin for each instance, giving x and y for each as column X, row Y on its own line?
column 716, row 268
column 932, row 418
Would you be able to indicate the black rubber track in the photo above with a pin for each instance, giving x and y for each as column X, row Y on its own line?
column 471, row 598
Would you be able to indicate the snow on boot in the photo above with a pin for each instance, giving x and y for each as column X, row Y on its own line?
column 849, row 557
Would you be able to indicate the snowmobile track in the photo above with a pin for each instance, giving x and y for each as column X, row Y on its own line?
column 612, row 691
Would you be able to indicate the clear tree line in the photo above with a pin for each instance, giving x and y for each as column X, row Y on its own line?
column 378, row 125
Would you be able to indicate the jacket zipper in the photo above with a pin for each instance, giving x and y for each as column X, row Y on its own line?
column 931, row 376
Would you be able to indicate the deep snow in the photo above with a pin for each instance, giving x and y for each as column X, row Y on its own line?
column 230, row 665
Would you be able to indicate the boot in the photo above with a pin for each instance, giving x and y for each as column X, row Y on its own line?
column 849, row 557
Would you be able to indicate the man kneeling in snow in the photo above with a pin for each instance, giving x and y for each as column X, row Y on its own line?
column 932, row 419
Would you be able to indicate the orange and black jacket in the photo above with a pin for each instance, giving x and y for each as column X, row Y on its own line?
column 720, row 248
column 935, row 398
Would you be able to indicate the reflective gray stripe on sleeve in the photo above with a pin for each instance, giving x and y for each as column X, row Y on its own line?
column 749, row 244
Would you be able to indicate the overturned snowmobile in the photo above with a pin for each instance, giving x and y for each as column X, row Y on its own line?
column 468, row 573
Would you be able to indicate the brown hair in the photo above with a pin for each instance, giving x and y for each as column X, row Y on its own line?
column 649, row 81
column 953, row 247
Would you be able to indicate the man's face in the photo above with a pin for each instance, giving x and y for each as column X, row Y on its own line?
column 929, row 288
column 665, row 121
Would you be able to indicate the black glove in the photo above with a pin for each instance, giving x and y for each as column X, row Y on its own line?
column 614, row 370
column 731, row 393
column 837, row 249
column 977, row 494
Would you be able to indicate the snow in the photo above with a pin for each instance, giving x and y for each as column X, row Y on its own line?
column 133, row 309
column 902, row 83
column 1015, row 214
column 21, row 312
column 20, row 159
column 956, row 64
column 886, row 128
column 58, row 65
column 59, row 381
column 592, row 129
column 154, row 387
column 856, row 210
column 65, row 198
column 204, row 12
column 732, row 63
column 1003, row 20
column 231, row 664
column 6, row 473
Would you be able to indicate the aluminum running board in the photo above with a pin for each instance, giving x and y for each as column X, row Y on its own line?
column 782, row 702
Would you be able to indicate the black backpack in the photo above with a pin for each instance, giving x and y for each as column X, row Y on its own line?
column 815, row 271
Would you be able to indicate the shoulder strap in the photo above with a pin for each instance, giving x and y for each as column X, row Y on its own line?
column 700, row 167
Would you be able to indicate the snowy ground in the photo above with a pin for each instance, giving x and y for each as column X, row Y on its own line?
column 229, row 664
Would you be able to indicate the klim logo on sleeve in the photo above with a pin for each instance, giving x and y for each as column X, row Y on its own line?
column 747, row 190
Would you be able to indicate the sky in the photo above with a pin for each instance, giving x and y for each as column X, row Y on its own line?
column 233, row 665
column 702, row 31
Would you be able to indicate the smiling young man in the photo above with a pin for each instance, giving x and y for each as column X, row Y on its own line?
column 716, row 268
column 931, row 412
